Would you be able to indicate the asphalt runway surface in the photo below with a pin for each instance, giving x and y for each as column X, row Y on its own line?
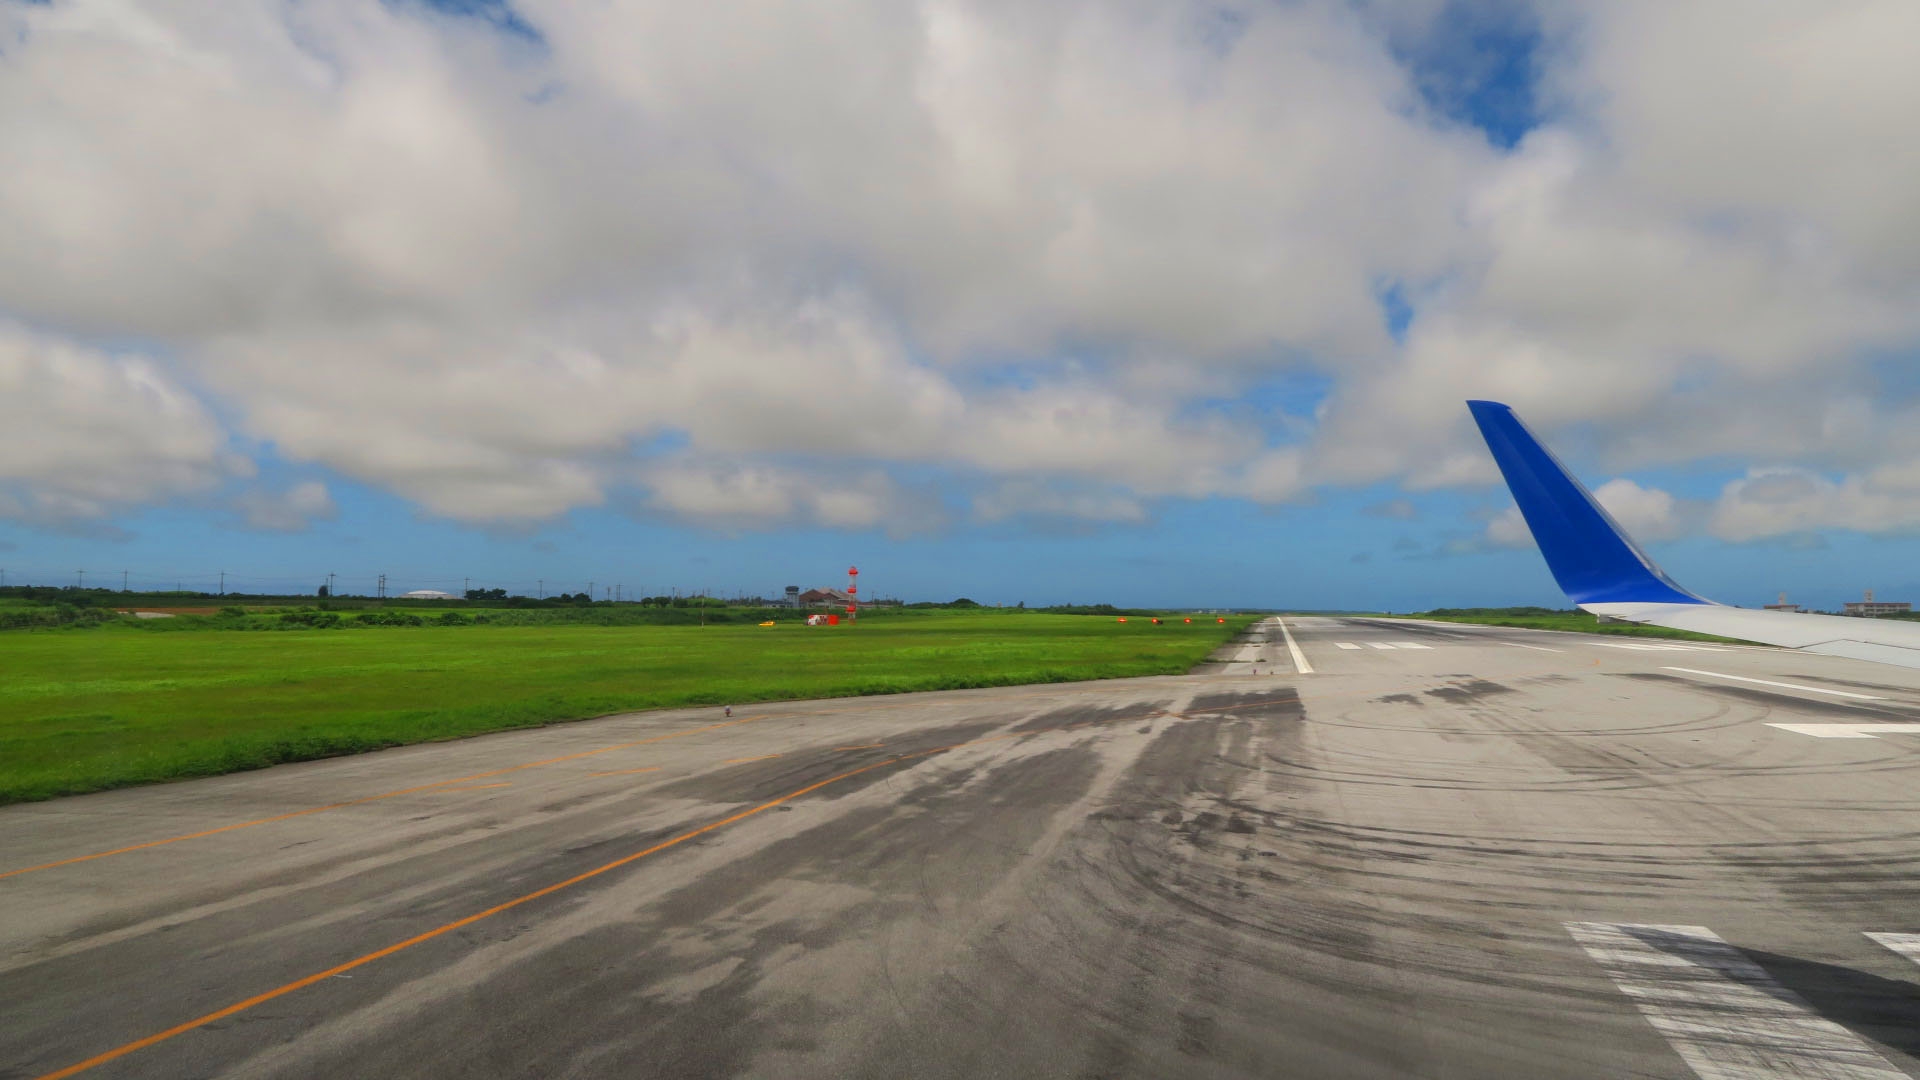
column 1445, row 851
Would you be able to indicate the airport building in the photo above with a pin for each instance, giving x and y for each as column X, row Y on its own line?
column 1870, row 607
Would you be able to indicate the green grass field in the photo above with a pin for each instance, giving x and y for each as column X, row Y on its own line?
column 83, row 710
column 1578, row 621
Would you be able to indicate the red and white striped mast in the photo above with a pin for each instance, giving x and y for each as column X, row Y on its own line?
column 853, row 593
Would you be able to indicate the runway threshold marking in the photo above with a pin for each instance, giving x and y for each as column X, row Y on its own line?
column 1345, row 645
column 400, row 946
column 1907, row 945
column 1770, row 682
column 376, row 798
column 1535, row 648
column 1299, row 658
column 1410, row 645
column 1379, row 645
column 1721, row 1012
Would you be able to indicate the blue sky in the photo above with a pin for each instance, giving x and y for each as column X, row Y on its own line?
column 1129, row 310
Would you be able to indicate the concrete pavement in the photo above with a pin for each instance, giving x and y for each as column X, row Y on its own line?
column 1448, row 851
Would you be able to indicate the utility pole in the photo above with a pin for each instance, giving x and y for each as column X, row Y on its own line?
column 81, row 581
column 616, row 593
column 543, row 588
column 589, row 592
column 223, row 583
column 329, row 584
column 383, row 586
column 466, row 585
column 123, row 581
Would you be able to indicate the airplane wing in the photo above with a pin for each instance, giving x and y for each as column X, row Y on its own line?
column 1603, row 571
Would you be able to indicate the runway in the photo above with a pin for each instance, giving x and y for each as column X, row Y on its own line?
column 1412, row 850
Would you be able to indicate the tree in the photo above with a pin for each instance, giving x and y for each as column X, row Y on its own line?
column 323, row 592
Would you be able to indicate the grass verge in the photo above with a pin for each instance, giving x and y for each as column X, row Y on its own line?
column 86, row 711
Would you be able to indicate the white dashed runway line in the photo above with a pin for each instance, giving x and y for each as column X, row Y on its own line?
column 1345, row 645
column 1907, row 945
column 1721, row 1012
column 1770, row 682
column 1847, row 731
column 1642, row 646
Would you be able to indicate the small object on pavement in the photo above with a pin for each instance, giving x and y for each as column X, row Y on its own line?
column 729, row 710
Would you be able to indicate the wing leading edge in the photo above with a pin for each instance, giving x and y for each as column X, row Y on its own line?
column 1602, row 570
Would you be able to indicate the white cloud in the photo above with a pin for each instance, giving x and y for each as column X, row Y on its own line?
column 1032, row 248
column 1785, row 501
column 1026, row 498
column 1508, row 529
column 735, row 495
column 291, row 510
column 1647, row 514
column 89, row 432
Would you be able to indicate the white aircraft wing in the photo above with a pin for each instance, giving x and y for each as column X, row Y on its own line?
column 1603, row 571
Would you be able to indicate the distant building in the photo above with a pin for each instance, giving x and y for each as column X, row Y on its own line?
column 1870, row 607
column 426, row 594
column 1782, row 605
column 823, row 598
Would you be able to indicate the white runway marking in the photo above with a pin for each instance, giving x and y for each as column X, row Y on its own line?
column 1783, row 685
column 1535, row 648
column 1846, row 731
column 1345, row 645
column 1411, row 645
column 1379, row 644
column 1722, row 1013
column 1907, row 945
column 1645, row 646
column 1299, row 658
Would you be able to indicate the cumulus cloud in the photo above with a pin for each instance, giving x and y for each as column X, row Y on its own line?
column 1393, row 509
column 289, row 510
column 1647, row 514
column 1785, row 501
column 628, row 253
column 1019, row 499
column 90, row 432
column 736, row 495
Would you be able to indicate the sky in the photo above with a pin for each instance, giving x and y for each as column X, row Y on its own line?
column 1133, row 301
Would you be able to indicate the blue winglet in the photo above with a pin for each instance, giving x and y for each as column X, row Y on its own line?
column 1591, row 556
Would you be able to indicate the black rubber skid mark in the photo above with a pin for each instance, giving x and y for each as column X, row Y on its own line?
column 1276, row 704
column 1090, row 714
